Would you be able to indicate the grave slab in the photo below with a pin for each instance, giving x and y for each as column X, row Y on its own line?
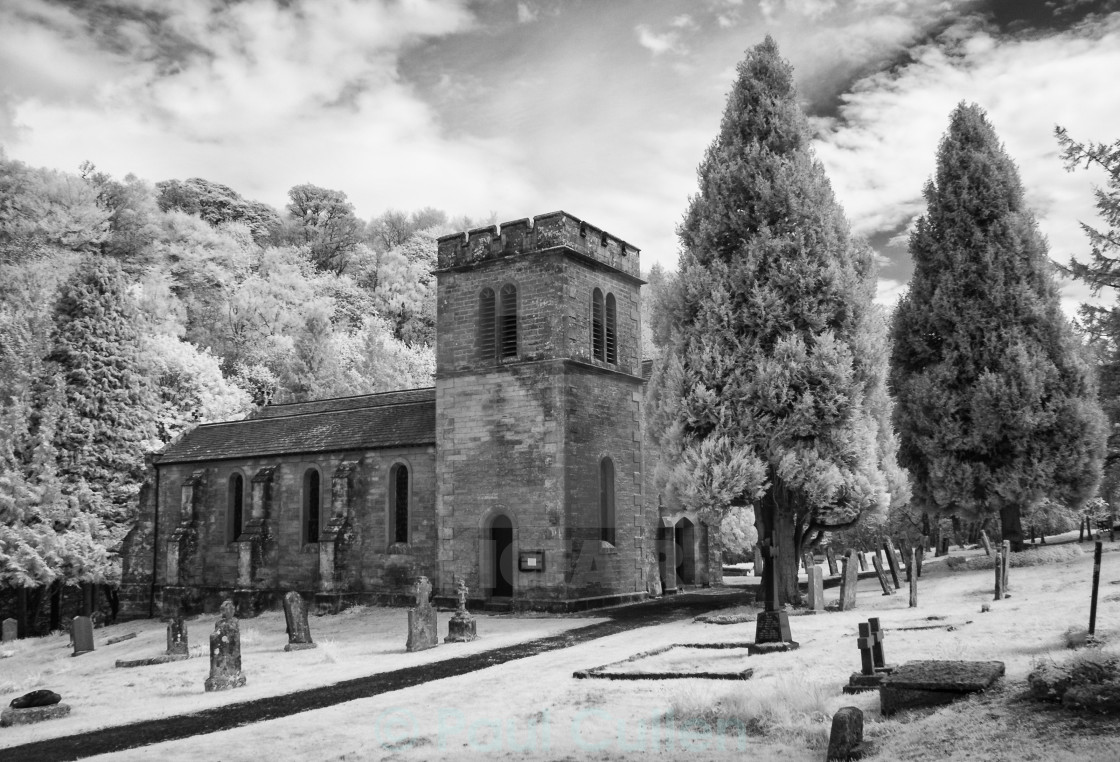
column 120, row 638
column 34, row 714
column 161, row 659
column 918, row 684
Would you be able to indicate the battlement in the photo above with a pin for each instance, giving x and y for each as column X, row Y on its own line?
column 541, row 233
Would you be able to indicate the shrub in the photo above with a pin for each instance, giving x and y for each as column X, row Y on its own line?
column 1051, row 681
column 1033, row 556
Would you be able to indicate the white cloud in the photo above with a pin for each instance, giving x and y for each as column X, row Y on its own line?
column 883, row 152
column 655, row 43
column 525, row 14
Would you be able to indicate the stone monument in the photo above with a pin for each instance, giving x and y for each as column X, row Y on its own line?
column 299, row 631
column 8, row 630
column 225, row 652
column 36, row 706
column 81, row 633
column 462, row 627
column 772, row 631
column 423, row 630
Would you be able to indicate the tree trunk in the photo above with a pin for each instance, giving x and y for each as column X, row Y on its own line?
column 56, row 606
column 1011, row 525
column 774, row 519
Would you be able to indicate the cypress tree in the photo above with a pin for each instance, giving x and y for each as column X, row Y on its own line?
column 105, row 422
column 996, row 405
column 770, row 390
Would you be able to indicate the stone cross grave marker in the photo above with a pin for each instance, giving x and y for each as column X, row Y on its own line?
column 848, row 582
column 295, row 615
column 816, row 589
column 831, row 558
column 423, row 630
column 872, row 665
column 883, row 581
column 177, row 636
column 225, row 652
column 772, row 630
column 986, row 543
column 81, row 632
column 8, row 630
column 892, row 562
column 462, row 627
column 877, row 633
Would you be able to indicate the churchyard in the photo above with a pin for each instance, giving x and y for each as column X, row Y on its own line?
column 536, row 708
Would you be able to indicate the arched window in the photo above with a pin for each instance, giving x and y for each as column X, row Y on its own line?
column 507, row 322
column 612, row 330
column 312, row 498
column 606, row 500
column 235, row 507
column 486, row 323
column 598, row 334
column 398, row 503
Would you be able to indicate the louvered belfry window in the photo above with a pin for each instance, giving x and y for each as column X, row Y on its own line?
column 612, row 330
column 487, row 319
column 598, row 334
column 507, row 322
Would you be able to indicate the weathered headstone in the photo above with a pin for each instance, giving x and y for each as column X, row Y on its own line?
column 9, row 629
column 831, row 558
column 462, row 627
column 816, row 589
column 299, row 631
column 177, row 636
column 81, row 632
column 999, row 576
column 1006, row 566
column 807, row 561
column 892, row 562
column 422, row 625
column 36, row 706
column 225, row 652
column 848, row 581
column 757, row 561
column 845, row 741
column 883, row 581
column 986, row 543
column 913, row 568
column 862, row 558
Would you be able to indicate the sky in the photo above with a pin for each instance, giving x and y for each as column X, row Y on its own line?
column 513, row 108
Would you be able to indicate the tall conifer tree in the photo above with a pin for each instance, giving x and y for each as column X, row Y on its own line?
column 770, row 389
column 105, row 421
column 996, row 404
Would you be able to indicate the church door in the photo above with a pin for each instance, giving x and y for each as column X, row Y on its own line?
column 501, row 535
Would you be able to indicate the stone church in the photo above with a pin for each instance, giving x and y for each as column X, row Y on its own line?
column 525, row 469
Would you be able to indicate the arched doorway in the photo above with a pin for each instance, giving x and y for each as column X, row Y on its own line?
column 501, row 571
column 685, row 535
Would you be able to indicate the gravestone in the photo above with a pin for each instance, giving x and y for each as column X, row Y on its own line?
column 918, row 684
column 873, row 667
column 772, row 631
column 883, row 581
column 831, row 558
column 757, row 561
column 1006, row 566
column 8, row 630
column 81, row 633
column 816, row 590
column 862, row 560
column 299, row 631
column 462, row 627
column 35, row 706
column 913, row 578
column 986, row 543
column 999, row 576
column 423, row 630
column 225, row 652
column 807, row 561
column 845, row 741
column 892, row 562
column 177, row 637
column 848, row 581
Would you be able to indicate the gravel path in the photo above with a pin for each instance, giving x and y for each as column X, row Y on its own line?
column 121, row 737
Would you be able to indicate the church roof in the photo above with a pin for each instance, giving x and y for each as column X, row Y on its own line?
column 364, row 422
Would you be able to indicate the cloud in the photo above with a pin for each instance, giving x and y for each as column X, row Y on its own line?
column 882, row 149
column 665, row 42
column 526, row 14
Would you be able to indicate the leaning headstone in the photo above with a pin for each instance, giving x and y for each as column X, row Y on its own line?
column 862, row 557
column 816, row 590
column 36, row 706
column 299, row 631
column 422, row 625
column 225, row 652
column 177, row 636
column 8, row 630
column 831, row 558
column 81, row 632
column 1006, row 566
column 462, row 627
column 986, row 543
column 883, row 581
column 999, row 576
column 848, row 581
column 892, row 562
column 913, row 578
column 845, row 742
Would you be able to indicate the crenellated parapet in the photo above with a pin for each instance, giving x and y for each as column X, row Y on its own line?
column 545, row 232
